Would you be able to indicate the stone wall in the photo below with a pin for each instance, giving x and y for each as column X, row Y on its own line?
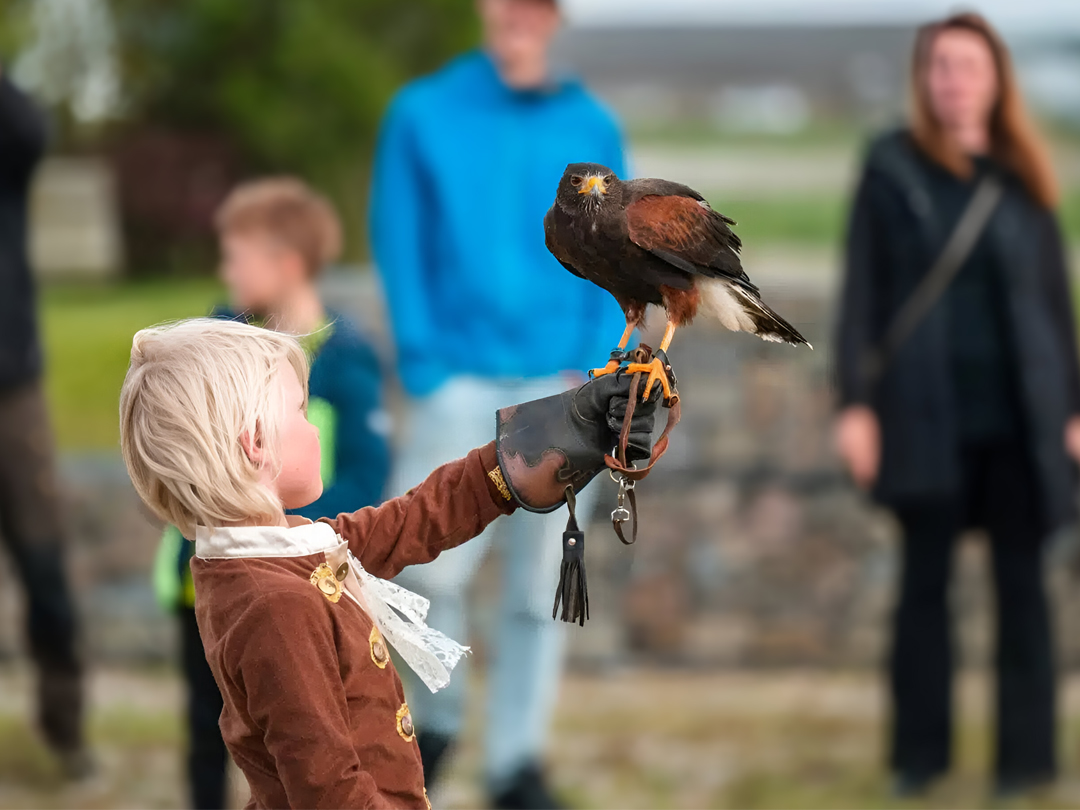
column 754, row 550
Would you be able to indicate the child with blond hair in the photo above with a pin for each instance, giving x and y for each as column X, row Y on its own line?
column 297, row 616
column 277, row 235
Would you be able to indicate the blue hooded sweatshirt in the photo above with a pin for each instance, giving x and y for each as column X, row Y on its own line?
column 465, row 170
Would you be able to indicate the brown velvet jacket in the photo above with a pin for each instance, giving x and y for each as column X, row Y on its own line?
column 314, row 714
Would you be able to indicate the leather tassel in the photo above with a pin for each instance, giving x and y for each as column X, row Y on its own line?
column 573, row 590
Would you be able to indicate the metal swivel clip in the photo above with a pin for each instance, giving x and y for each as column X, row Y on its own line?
column 621, row 514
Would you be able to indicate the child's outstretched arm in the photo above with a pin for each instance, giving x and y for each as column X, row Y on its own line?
column 453, row 504
column 543, row 446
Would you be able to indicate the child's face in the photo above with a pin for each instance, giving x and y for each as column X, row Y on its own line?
column 258, row 272
column 299, row 482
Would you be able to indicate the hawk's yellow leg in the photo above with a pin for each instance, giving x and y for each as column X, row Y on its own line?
column 656, row 368
column 613, row 365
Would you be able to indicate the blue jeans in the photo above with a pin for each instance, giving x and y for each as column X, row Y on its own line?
column 527, row 653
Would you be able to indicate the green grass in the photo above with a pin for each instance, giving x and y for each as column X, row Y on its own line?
column 810, row 740
column 797, row 220
column 1070, row 215
column 130, row 728
column 24, row 759
column 87, row 333
column 842, row 134
column 138, row 753
column 820, row 220
column 638, row 738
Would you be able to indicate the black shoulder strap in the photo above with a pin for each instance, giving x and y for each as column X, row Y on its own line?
column 961, row 241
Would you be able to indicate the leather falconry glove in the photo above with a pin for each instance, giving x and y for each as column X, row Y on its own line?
column 549, row 444
column 549, row 449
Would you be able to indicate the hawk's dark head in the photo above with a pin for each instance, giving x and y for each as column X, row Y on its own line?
column 588, row 188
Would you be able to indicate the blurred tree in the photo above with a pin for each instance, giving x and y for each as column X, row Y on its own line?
column 14, row 28
column 64, row 55
column 273, row 86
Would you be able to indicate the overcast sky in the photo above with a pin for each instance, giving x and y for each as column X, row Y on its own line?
column 1013, row 14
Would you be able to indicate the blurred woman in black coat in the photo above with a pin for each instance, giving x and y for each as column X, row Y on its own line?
column 973, row 421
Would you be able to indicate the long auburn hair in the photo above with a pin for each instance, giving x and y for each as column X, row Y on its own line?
column 1014, row 140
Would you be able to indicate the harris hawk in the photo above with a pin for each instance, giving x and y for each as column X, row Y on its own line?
column 652, row 241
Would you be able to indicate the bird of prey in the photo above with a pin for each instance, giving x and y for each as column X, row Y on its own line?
column 652, row 241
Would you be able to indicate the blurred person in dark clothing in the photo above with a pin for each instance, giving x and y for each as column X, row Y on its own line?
column 974, row 417
column 483, row 316
column 30, row 515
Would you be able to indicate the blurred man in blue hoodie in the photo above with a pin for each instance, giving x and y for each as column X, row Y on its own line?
column 483, row 316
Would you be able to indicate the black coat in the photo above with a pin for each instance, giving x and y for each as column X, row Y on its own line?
column 894, row 237
column 22, row 143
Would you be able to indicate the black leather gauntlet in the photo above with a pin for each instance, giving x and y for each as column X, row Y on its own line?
column 548, row 444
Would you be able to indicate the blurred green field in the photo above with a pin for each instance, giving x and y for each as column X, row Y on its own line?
column 87, row 333
column 795, row 221
column 820, row 221
column 805, row 219
column 840, row 133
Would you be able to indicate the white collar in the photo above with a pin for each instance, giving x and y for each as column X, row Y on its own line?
column 265, row 541
column 398, row 613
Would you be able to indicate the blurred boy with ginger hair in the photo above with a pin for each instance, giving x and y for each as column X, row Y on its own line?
column 276, row 236
column 296, row 616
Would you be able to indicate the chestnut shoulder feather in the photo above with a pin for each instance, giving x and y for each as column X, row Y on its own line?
column 634, row 190
column 687, row 235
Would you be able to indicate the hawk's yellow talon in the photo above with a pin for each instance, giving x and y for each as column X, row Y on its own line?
column 610, row 368
column 657, row 373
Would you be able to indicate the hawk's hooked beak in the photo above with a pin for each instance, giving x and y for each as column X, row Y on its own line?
column 594, row 185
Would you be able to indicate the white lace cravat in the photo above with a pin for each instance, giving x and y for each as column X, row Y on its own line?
column 398, row 613
column 430, row 654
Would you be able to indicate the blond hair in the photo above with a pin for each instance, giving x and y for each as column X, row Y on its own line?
column 193, row 388
column 288, row 211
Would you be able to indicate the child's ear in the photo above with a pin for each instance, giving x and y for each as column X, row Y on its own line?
column 252, row 444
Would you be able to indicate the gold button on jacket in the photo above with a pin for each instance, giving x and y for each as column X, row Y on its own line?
column 379, row 653
column 405, row 723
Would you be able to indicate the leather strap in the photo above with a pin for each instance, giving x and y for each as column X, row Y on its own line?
column 660, row 447
column 571, row 507
column 617, row 524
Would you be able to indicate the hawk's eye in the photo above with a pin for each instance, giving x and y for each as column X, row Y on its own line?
column 576, row 180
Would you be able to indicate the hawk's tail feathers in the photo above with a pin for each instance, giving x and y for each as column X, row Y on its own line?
column 741, row 310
